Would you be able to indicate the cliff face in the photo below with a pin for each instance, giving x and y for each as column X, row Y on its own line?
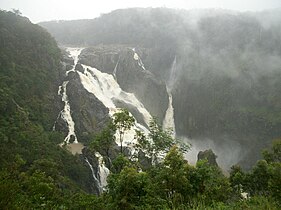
column 89, row 114
column 132, row 76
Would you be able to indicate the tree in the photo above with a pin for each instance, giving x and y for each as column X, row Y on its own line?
column 273, row 155
column 158, row 142
column 128, row 189
column 123, row 122
column 172, row 179
column 237, row 179
column 104, row 140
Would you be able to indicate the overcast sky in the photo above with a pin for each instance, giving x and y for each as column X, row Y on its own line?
column 44, row 10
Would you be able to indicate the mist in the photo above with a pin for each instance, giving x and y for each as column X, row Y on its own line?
column 228, row 152
column 46, row 10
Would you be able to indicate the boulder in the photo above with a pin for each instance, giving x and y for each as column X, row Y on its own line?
column 208, row 155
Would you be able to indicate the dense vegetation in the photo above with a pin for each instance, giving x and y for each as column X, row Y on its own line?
column 35, row 171
column 171, row 183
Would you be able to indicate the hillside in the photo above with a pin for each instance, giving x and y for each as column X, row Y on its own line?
column 34, row 169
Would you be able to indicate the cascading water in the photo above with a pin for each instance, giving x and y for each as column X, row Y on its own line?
column 138, row 59
column 103, row 172
column 97, row 182
column 106, row 89
column 169, row 121
column 65, row 114
column 173, row 72
column 115, row 68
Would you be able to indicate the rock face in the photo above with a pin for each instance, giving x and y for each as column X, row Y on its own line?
column 103, row 58
column 131, row 75
column 208, row 155
column 89, row 114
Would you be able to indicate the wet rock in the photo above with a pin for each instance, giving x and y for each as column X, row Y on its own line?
column 208, row 155
column 88, row 113
column 124, row 64
column 133, row 110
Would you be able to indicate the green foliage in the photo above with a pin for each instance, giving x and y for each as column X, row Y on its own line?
column 36, row 173
column 158, row 142
column 128, row 188
column 119, row 163
column 264, row 178
column 275, row 154
column 123, row 122
column 104, row 140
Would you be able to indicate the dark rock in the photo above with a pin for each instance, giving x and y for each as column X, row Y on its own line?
column 103, row 58
column 88, row 113
column 90, row 158
column 208, row 155
column 79, row 67
column 144, row 161
column 151, row 91
column 61, row 125
column 132, row 109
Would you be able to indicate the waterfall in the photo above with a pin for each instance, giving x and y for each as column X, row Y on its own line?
column 115, row 69
column 106, row 89
column 138, row 59
column 169, row 121
column 94, row 176
column 65, row 113
column 173, row 72
column 103, row 172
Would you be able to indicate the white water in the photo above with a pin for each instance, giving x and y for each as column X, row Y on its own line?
column 94, row 176
column 106, row 89
column 115, row 69
column 103, row 172
column 74, row 53
column 169, row 121
column 138, row 59
column 172, row 77
column 65, row 114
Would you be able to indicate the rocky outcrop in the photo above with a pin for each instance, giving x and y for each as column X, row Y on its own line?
column 88, row 113
column 132, row 109
column 208, row 155
column 103, row 58
column 131, row 75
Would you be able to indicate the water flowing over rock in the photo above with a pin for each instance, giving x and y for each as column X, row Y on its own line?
column 130, row 73
column 90, row 115
column 169, row 121
column 65, row 114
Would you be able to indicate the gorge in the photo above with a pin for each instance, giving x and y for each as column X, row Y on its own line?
column 211, row 78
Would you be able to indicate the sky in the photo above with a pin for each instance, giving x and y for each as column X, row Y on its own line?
column 45, row 10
